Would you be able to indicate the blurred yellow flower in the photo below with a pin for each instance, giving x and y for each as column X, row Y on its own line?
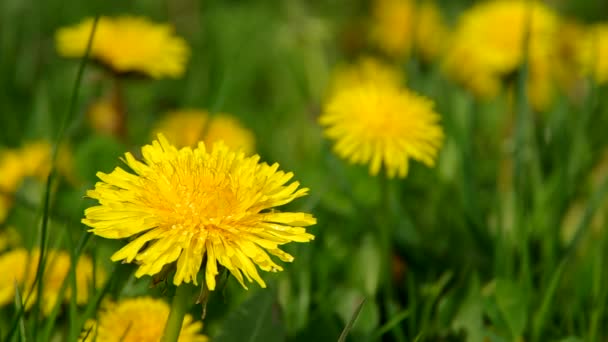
column 33, row 159
column 137, row 320
column 594, row 53
column 104, row 118
column 383, row 125
column 366, row 69
column 226, row 128
column 431, row 33
column 128, row 44
column 397, row 25
column 190, row 205
column 189, row 126
column 20, row 266
column 569, row 61
column 488, row 45
column 8, row 236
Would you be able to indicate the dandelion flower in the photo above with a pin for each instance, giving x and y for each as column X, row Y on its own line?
column 189, row 126
column 104, row 118
column 33, row 159
column 399, row 25
column 137, row 320
column 488, row 45
column 198, row 208
column 392, row 25
column 223, row 127
column 366, row 69
column 594, row 53
column 382, row 125
column 20, row 266
column 128, row 44
column 430, row 32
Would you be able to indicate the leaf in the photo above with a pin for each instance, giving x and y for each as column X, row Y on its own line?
column 365, row 269
column 512, row 302
column 351, row 321
column 257, row 319
column 469, row 316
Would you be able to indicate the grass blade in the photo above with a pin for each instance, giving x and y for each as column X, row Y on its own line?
column 351, row 322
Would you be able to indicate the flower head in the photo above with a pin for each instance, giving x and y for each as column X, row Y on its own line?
column 189, row 126
column 20, row 266
column 399, row 25
column 128, row 44
column 488, row 45
column 137, row 320
column 594, row 53
column 33, row 159
column 382, row 125
column 195, row 207
column 364, row 70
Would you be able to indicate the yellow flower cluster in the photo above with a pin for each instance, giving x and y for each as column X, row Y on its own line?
column 19, row 267
column 137, row 320
column 365, row 69
column 128, row 44
column 31, row 160
column 189, row 126
column 193, row 206
column 594, row 53
column 490, row 41
column 383, row 125
column 400, row 25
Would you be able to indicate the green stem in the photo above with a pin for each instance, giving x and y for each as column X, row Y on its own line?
column 179, row 305
column 385, row 227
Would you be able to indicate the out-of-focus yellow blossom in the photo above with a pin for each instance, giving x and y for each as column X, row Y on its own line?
column 189, row 126
column 397, row 25
column 568, row 64
column 430, row 33
column 20, row 266
column 137, row 320
column 128, row 44
column 488, row 45
column 197, row 208
column 594, row 53
column 383, row 126
column 104, row 118
column 223, row 127
column 366, row 69
column 8, row 236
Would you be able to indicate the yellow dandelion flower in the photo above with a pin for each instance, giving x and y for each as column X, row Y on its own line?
column 137, row 320
column 189, row 126
column 12, row 171
column 430, row 32
column 366, row 69
column 20, row 266
column 488, row 45
column 384, row 126
column 8, row 236
column 226, row 128
column 397, row 25
column 594, row 53
column 392, row 25
column 187, row 205
column 104, row 118
column 128, row 44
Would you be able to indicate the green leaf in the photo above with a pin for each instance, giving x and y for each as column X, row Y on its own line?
column 257, row 319
column 512, row 302
column 97, row 153
column 469, row 317
column 351, row 321
column 365, row 268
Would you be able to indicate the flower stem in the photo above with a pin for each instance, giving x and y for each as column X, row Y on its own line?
column 179, row 306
